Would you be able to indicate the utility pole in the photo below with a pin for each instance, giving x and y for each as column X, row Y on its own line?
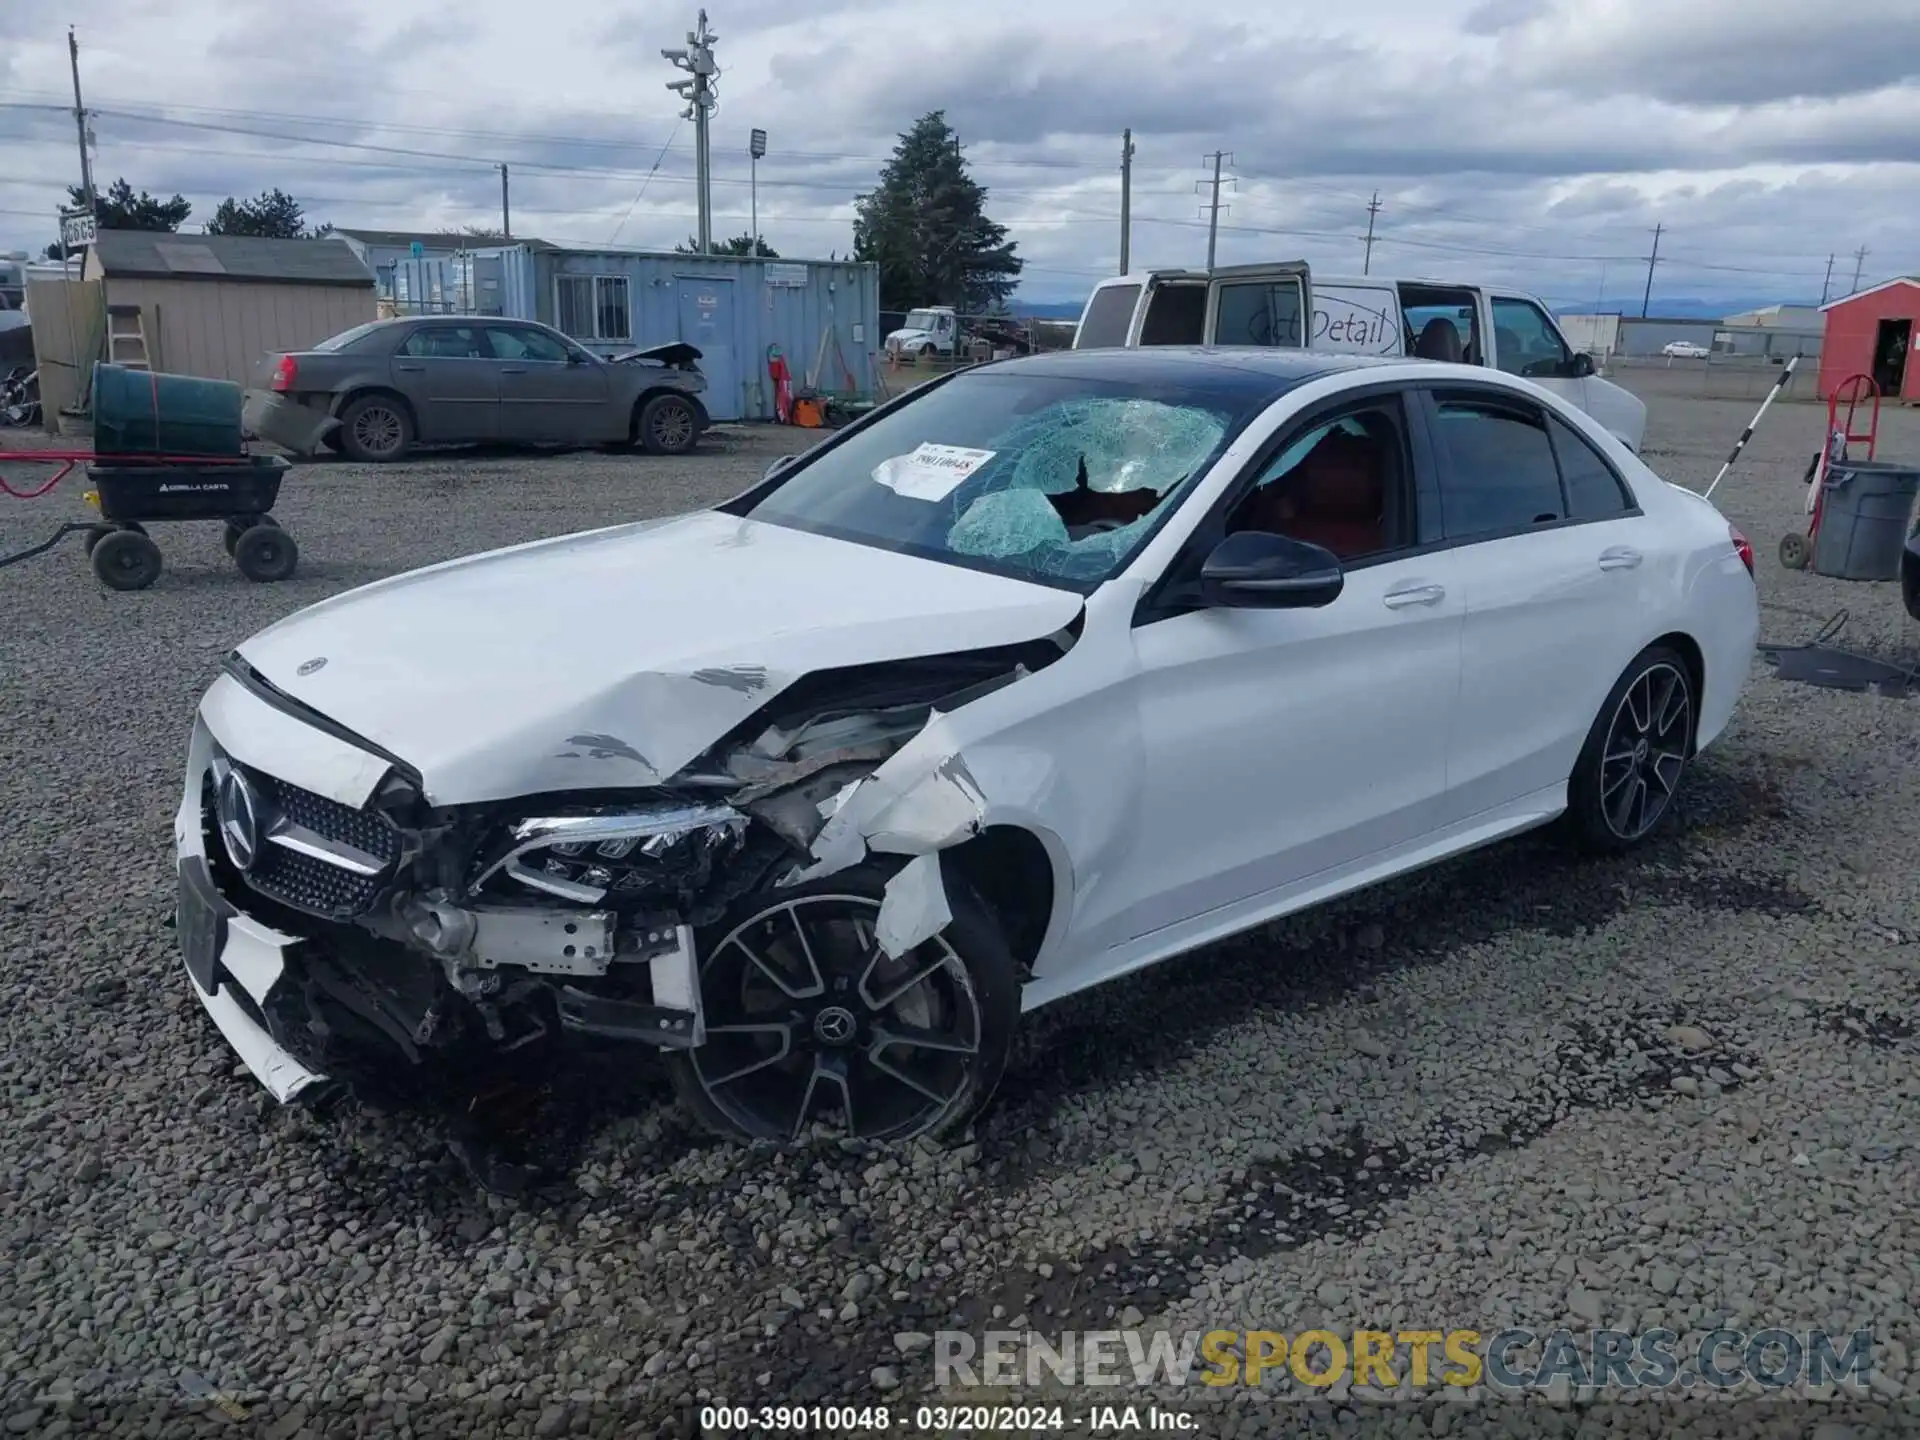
column 1126, row 198
column 697, row 90
column 1859, row 261
column 1219, row 157
column 1826, row 285
column 1373, row 209
column 756, row 148
column 506, row 211
column 80, row 121
column 1647, row 299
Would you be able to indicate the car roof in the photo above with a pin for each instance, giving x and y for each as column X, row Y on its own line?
column 1251, row 372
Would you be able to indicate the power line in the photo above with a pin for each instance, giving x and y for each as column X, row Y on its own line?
column 1652, row 260
column 1213, row 206
column 1859, row 260
column 1373, row 209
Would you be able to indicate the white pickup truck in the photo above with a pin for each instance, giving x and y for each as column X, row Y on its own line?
column 1356, row 315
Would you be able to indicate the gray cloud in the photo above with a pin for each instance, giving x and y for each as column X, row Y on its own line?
column 1532, row 141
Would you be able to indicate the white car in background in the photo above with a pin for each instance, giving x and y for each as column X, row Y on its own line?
column 1047, row 671
column 1684, row 350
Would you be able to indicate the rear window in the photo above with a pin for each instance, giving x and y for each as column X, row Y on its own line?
column 1108, row 317
column 1259, row 312
column 346, row 339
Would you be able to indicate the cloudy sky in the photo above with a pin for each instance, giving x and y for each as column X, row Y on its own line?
column 1532, row 141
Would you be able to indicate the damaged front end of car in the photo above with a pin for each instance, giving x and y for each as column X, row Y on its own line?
column 367, row 942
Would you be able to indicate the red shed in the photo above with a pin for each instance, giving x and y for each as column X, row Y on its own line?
column 1872, row 333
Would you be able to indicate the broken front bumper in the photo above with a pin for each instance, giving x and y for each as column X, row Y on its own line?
column 257, row 980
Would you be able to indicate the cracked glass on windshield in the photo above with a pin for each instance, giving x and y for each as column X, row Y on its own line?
column 1042, row 477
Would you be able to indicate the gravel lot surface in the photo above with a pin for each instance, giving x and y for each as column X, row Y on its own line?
column 1676, row 1090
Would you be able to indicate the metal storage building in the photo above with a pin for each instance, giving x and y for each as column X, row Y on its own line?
column 1872, row 333
column 823, row 315
column 213, row 305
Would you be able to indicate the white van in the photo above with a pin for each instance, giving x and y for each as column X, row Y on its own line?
column 1356, row 315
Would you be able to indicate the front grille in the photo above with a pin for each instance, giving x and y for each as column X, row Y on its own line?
column 308, row 882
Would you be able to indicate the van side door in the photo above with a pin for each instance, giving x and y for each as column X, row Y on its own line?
column 1265, row 305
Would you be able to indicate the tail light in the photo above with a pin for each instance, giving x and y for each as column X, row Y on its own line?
column 1742, row 546
column 285, row 373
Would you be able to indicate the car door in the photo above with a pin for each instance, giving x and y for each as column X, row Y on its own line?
column 1281, row 744
column 1551, row 549
column 449, row 378
column 1264, row 305
column 1526, row 342
column 550, row 393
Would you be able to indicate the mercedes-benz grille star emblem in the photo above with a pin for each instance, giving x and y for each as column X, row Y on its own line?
column 240, row 808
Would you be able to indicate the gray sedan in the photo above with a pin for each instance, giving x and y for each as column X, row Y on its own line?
column 377, row 390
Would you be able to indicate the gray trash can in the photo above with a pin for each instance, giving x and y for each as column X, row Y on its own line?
column 1864, row 518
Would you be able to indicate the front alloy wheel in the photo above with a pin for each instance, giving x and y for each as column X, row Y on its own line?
column 809, row 1020
column 1631, row 766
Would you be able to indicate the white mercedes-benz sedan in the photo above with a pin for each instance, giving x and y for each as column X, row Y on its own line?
column 1044, row 672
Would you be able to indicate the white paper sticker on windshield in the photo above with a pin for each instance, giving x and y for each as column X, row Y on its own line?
column 932, row 472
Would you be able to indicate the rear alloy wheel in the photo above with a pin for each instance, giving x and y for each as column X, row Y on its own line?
column 265, row 553
column 1636, row 754
column 667, row 426
column 126, row 560
column 808, row 1020
column 375, row 429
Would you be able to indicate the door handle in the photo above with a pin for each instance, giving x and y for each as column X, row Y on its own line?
column 1619, row 557
column 1415, row 595
column 513, row 370
column 411, row 369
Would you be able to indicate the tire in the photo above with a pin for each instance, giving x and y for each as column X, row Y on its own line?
column 1642, row 739
column 1795, row 551
column 810, row 1049
column 126, row 560
column 667, row 425
column 376, row 429
column 234, row 529
column 265, row 553
column 97, row 533
column 924, row 355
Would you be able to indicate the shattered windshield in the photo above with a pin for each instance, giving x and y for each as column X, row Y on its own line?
column 1043, row 477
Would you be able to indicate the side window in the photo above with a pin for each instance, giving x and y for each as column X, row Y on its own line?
column 1341, row 483
column 517, row 344
column 1109, row 316
column 1498, row 473
column 1258, row 312
column 1595, row 490
column 443, row 342
column 1525, row 342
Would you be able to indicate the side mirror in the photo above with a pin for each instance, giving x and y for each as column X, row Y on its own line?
column 1582, row 366
column 1258, row 571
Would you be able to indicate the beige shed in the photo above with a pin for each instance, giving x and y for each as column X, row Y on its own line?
column 214, row 305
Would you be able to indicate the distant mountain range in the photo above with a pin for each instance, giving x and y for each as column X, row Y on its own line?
column 1663, row 307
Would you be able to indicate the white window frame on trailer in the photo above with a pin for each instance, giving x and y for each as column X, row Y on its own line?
column 596, row 305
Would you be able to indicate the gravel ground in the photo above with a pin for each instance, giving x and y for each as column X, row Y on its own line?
column 1670, row 1091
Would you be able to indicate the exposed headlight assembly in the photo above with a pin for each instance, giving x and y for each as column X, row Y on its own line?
column 596, row 856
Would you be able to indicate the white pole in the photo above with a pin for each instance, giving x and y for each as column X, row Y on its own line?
column 1747, row 434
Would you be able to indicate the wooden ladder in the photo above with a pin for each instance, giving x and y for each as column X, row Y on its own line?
column 127, row 338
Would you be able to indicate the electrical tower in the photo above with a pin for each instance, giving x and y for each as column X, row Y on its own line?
column 1646, row 299
column 1218, row 158
column 1373, row 209
column 1859, row 262
column 702, row 100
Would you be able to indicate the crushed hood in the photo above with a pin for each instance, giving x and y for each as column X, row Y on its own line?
column 615, row 657
column 674, row 352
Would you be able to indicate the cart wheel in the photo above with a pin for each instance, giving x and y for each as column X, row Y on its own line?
column 97, row 533
column 126, row 560
column 265, row 553
column 1795, row 551
column 236, row 528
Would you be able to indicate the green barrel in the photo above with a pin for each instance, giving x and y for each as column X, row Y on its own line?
column 142, row 412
